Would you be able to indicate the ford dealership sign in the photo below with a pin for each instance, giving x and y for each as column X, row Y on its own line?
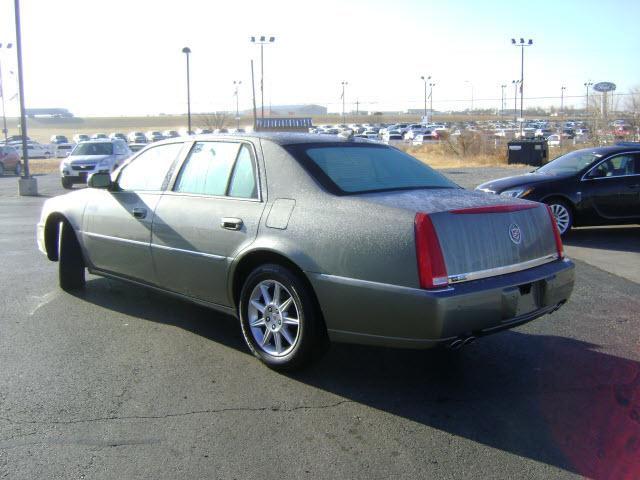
column 604, row 87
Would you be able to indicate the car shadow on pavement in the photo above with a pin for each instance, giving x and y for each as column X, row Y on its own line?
column 554, row 400
column 551, row 399
column 622, row 238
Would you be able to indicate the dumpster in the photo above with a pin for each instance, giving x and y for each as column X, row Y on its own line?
column 529, row 152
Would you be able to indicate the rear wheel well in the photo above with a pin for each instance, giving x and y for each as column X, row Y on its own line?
column 51, row 235
column 252, row 260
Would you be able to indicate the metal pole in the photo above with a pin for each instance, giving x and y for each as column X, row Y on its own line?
column 343, row 102
column 425, row 97
column 4, row 115
column 188, row 95
column 23, row 117
column 588, row 84
column 237, row 85
column 431, row 102
column 187, row 51
column 253, row 89
column 262, row 78
column 521, row 89
column 472, row 97
column 515, row 102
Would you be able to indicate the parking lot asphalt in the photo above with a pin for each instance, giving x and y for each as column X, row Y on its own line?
column 121, row 382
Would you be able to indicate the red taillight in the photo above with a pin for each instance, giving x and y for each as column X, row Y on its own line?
column 556, row 233
column 431, row 267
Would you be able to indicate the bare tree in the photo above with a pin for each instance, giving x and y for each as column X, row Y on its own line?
column 213, row 121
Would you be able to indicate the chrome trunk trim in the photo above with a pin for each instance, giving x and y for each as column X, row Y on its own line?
column 492, row 272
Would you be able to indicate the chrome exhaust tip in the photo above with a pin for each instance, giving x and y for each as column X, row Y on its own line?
column 468, row 341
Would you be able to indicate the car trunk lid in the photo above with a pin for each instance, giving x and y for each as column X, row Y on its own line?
column 480, row 235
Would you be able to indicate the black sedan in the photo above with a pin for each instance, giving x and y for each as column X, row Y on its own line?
column 595, row 186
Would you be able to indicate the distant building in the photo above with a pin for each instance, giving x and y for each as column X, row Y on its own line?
column 290, row 110
column 48, row 112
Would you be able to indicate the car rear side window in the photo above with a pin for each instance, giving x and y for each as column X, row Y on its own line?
column 359, row 168
column 207, row 169
column 618, row 166
column 149, row 171
column 243, row 178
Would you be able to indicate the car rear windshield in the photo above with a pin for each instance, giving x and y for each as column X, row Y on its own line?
column 93, row 148
column 358, row 168
column 570, row 163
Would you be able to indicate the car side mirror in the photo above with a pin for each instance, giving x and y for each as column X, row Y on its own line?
column 100, row 180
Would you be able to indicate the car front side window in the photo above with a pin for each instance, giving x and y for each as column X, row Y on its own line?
column 149, row 171
column 207, row 169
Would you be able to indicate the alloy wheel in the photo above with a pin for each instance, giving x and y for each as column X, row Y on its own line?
column 274, row 318
column 562, row 216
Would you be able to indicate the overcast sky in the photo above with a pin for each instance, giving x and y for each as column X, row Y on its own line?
column 121, row 57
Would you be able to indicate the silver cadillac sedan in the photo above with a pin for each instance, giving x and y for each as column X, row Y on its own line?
column 308, row 239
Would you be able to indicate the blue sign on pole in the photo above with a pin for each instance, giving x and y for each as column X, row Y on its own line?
column 604, row 87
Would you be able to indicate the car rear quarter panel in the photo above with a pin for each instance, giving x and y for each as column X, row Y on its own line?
column 336, row 235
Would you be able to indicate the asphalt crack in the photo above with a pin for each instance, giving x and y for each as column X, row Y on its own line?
column 179, row 414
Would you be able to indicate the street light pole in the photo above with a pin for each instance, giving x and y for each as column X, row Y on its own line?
column 237, row 85
column 586, row 110
column 562, row 89
column 522, row 44
column 471, row 85
column 262, row 41
column 23, row 117
column 343, row 114
column 424, row 79
column 515, row 100
column 5, row 131
column 431, row 85
column 187, row 51
column 502, row 87
column 27, row 185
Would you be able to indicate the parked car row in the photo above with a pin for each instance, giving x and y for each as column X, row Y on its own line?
column 35, row 149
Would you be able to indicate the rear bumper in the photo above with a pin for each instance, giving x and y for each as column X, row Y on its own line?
column 357, row 311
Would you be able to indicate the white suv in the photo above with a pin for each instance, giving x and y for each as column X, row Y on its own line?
column 91, row 157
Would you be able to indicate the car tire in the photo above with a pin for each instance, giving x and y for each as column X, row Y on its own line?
column 280, row 321
column 563, row 214
column 70, row 261
column 66, row 183
column 18, row 169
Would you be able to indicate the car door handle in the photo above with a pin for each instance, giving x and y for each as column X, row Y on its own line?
column 230, row 223
column 139, row 212
column 634, row 186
